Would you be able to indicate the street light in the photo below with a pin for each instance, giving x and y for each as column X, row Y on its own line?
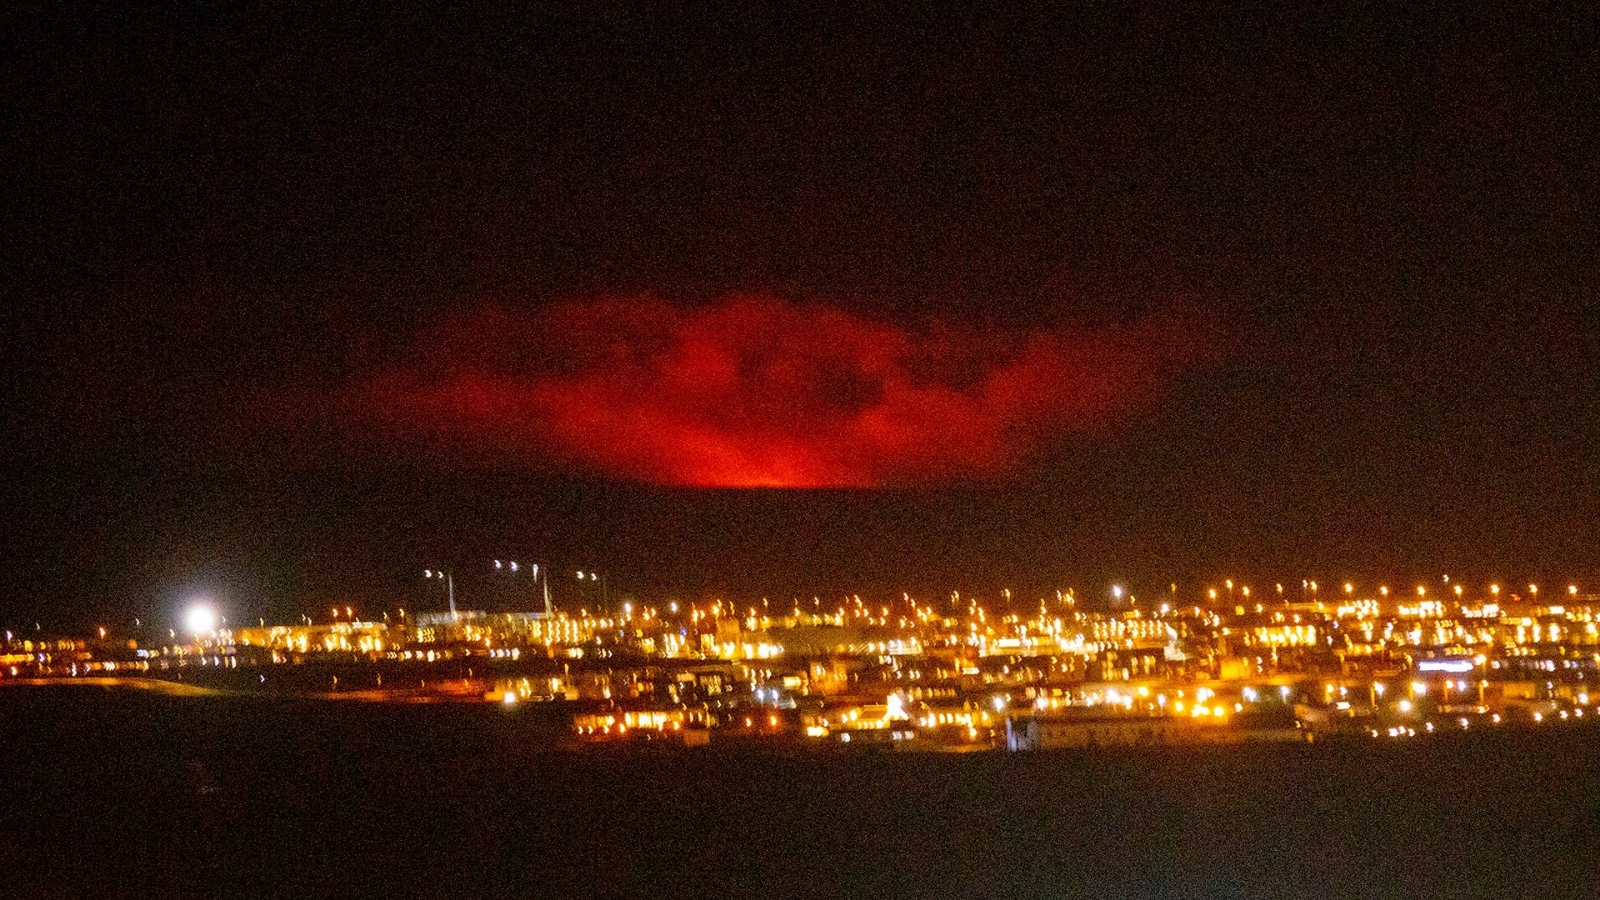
column 449, row 585
column 533, row 569
column 605, row 592
column 201, row 619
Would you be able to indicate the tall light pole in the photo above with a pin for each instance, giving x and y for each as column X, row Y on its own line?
column 605, row 591
column 449, row 585
column 514, row 567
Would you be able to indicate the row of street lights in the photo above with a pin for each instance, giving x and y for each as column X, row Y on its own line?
column 513, row 567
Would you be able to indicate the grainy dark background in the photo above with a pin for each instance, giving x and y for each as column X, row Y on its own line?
column 1388, row 216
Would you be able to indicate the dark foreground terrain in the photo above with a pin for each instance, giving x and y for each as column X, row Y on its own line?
column 123, row 794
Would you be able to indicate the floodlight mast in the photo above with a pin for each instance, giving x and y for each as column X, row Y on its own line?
column 449, row 585
column 541, row 580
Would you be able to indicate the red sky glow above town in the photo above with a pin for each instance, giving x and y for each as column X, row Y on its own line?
column 753, row 392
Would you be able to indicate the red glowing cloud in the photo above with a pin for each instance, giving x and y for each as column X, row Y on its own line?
column 759, row 392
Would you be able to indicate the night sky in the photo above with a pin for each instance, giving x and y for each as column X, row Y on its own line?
column 790, row 302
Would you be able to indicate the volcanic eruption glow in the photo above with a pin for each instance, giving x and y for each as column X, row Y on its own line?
column 756, row 392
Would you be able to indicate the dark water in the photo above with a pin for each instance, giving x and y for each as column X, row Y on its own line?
column 120, row 794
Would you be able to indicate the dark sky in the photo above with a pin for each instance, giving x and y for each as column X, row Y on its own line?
column 303, row 302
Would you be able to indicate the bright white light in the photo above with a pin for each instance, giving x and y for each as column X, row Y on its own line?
column 895, row 707
column 200, row 619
